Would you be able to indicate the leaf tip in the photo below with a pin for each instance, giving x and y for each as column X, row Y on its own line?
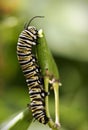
column 40, row 33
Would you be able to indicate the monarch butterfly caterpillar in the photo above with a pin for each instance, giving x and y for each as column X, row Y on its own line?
column 28, row 39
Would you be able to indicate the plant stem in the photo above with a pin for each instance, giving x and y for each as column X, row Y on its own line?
column 46, row 82
column 52, row 125
column 56, row 93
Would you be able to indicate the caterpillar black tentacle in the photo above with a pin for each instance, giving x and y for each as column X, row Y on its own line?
column 31, row 70
column 27, row 24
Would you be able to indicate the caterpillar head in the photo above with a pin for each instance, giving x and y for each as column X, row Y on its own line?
column 32, row 29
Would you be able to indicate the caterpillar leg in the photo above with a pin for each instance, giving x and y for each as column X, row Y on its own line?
column 44, row 94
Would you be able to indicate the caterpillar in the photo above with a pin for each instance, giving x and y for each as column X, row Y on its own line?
column 28, row 61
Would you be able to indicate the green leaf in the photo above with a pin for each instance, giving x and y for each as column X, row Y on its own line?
column 20, row 122
column 45, row 57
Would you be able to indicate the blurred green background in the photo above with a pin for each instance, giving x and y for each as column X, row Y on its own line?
column 66, row 29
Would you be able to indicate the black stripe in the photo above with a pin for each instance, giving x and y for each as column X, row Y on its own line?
column 27, row 61
column 23, row 54
column 28, row 71
column 34, row 95
column 35, row 90
column 36, row 105
column 37, row 113
column 31, row 84
column 38, row 99
column 39, row 104
column 39, row 116
column 26, row 42
column 24, row 62
column 36, row 87
column 30, row 32
column 38, row 110
column 32, row 80
column 25, row 38
column 30, row 76
column 22, row 45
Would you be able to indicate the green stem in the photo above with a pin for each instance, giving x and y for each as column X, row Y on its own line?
column 46, row 82
column 56, row 93
column 52, row 125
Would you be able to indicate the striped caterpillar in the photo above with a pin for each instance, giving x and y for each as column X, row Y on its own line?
column 28, row 39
